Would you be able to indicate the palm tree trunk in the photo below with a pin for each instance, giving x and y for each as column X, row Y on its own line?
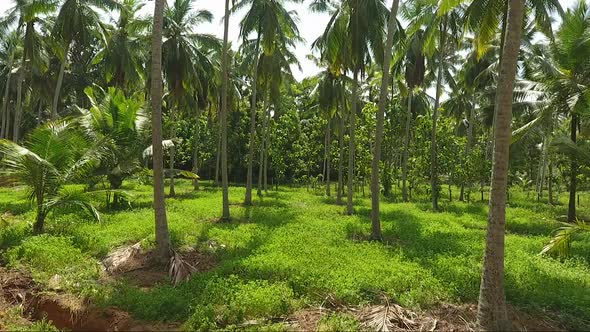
column 162, row 235
column 550, row 183
column 433, row 153
column 248, row 199
column 60, row 79
column 351, row 144
column 467, row 147
column 263, row 144
column 5, row 114
column 39, row 111
column 375, row 187
column 224, row 111
column 19, row 104
column 172, row 151
column 328, row 154
column 195, row 168
column 491, row 313
column 266, row 150
column 571, row 211
column 406, row 148
column 218, row 160
column 341, row 152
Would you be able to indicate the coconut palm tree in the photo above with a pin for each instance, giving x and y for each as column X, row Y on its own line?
column 275, row 27
column 356, row 28
column 9, row 53
column 491, row 313
column 224, row 110
column 185, row 61
column 27, row 15
column 120, row 124
column 51, row 157
column 163, row 248
column 375, row 186
column 123, row 52
column 75, row 22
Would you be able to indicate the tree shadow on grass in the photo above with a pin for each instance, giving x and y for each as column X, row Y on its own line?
column 15, row 208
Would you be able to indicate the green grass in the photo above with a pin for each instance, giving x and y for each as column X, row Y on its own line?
column 294, row 248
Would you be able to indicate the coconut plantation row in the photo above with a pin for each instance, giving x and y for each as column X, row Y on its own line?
column 430, row 170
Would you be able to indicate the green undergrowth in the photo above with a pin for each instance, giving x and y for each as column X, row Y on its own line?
column 294, row 248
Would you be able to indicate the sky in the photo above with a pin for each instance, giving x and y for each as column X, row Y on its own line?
column 311, row 25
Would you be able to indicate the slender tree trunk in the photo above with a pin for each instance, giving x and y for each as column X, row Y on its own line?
column 60, row 78
column 263, row 143
column 351, row 144
column 341, row 152
column 248, row 199
column 224, row 111
column 550, row 183
column 467, row 148
column 328, row 154
column 491, row 313
column 571, row 211
column 172, row 151
column 266, row 150
column 5, row 101
column 375, row 187
column 163, row 248
column 433, row 153
column 19, row 103
column 218, row 160
column 406, row 148
column 195, row 167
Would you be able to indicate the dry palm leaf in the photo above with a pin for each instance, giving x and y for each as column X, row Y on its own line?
column 180, row 269
column 124, row 259
column 390, row 317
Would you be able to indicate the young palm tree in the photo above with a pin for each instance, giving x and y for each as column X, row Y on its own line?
column 119, row 123
column 491, row 313
column 75, row 22
column 26, row 15
column 51, row 157
column 375, row 186
column 163, row 249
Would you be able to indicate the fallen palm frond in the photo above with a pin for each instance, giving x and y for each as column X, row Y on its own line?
column 124, row 259
column 391, row 317
column 180, row 269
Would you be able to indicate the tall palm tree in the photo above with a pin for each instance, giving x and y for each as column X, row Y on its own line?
column 442, row 25
column 75, row 22
column 274, row 27
column 185, row 61
column 565, row 78
column 224, row 111
column 375, row 187
column 26, row 15
column 356, row 28
column 8, row 55
column 163, row 249
column 123, row 53
column 414, row 74
column 491, row 313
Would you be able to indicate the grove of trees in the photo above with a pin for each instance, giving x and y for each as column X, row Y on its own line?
column 454, row 99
